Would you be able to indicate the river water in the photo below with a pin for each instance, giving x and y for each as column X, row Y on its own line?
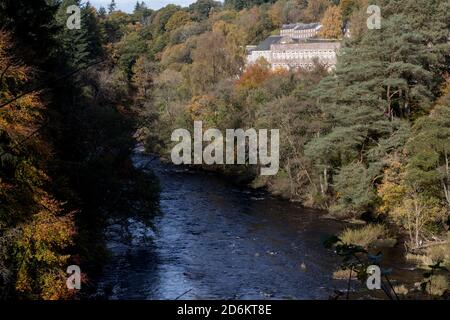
column 213, row 240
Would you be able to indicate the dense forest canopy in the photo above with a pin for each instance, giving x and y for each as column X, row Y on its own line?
column 368, row 141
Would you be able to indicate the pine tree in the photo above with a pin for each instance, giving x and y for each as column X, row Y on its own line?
column 81, row 46
column 112, row 7
column 388, row 77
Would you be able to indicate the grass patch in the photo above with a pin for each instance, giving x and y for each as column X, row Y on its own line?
column 365, row 236
column 344, row 274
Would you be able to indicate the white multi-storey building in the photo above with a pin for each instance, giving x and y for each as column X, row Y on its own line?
column 295, row 48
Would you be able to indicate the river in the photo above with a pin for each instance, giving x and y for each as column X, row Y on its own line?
column 214, row 240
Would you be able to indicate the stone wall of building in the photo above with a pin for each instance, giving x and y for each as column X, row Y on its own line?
column 296, row 55
column 304, row 54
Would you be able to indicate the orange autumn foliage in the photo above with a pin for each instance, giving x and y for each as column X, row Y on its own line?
column 254, row 76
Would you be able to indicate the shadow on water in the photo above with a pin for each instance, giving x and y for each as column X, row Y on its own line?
column 213, row 240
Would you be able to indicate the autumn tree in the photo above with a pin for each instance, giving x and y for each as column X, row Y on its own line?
column 177, row 20
column 201, row 9
column 254, row 75
column 331, row 23
column 212, row 61
column 131, row 46
column 408, row 205
column 292, row 11
column 35, row 230
column 143, row 77
column 315, row 10
column 348, row 7
column 416, row 193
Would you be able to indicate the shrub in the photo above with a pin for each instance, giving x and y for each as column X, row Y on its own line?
column 439, row 253
column 401, row 290
column 438, row 286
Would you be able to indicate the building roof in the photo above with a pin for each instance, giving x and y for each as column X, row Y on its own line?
column 265, row 45
column 300, row 26
column 268, row 42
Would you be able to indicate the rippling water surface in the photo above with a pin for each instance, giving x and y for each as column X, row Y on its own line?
column 213, row 240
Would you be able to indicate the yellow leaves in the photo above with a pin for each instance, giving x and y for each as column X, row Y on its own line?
column 23, row 281
column 49, row 229
column 225, row 28
column 235, row 37
column 10, row 71
column 40, row 233
column 178, row 19
column 199, row 107
column 20, row 118
column 40, row 251
column 276, row 13
column 409, row 208
column 445, row 93
column 178, row 53
column 54, row 287
column 391, row 190
column 332, row 23
column 27, row 173
column 391, row 194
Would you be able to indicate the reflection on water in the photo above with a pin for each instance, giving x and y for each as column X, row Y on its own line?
column 215, row 241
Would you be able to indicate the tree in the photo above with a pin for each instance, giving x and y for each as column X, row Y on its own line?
column 428, row 151
column 348, row 7
column 112, row 7
column 102, row 12
column 292, row 11
column 178, row 19
column 141, row 12
column 130, row 47
column 115, row 25
column 22, row 19
column 212, row 62
column 241, row 4
column 332, row 23
column 202, row 8
column 81, row 46
column 143, row 77
column 408, row 205
column 161, row 18
column 315, row 10
column 374, row 88
column 35, row 230
column 254, row 76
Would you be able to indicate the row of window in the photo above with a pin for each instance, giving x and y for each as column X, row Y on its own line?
column 303, row 54
column 306, row 31
column 297, row 65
